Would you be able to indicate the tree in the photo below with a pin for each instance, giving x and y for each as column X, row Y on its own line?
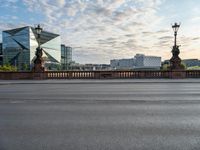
column 25, row 67
column 8, row 67
column 194, row 68
column 165, row 67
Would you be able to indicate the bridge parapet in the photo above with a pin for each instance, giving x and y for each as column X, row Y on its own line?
column 100, row 75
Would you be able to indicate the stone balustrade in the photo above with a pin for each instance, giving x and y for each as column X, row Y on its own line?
column 100, row 75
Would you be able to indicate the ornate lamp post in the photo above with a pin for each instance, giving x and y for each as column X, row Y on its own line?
column 38, row 62
column 38, row 30
column 175, row 61
column 175, row 27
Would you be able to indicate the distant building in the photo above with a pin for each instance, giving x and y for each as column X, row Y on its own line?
column 19, row 47
column 1, row 55
column 147, row 62
column 140, row 61
column 167, row 62
column 96, row 67
column 66, row 57
column 0, row 48
column 90, row 67
column 122, row 63
column 191, row 62
column 187, row 62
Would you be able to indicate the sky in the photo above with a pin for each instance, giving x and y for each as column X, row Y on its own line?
column 101, row 30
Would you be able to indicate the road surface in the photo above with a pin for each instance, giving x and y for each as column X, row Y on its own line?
column 100, row 115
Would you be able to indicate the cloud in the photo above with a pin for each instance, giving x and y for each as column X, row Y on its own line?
column 110, row 26
column 7, row 26
column 166, row 38
column 100, row 30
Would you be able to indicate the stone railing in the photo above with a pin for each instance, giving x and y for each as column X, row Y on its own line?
column 16, row 75
column 193, row 74
column 100, row 75
column 105, row 74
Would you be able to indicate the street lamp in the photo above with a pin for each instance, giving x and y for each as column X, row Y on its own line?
column 38, row 62
column 175, row 61
column 38, row 30
column 175, row 27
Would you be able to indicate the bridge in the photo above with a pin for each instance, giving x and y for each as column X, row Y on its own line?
column 100, row 75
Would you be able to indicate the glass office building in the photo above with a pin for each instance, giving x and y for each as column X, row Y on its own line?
column 19, row 47
column 1, row 55
column 66, row 57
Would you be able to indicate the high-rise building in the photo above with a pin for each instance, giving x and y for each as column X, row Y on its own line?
column 1, row 55
column 0, row 48
column 140, row 61
column 66, row 57
column 19, row 47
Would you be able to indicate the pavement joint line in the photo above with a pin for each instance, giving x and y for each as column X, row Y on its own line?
column 107, row 81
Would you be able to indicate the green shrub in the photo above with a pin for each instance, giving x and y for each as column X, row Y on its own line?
column 8, row 68
column 165, row 67
column 194, row 68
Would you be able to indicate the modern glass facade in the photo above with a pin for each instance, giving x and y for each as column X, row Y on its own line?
column 66, row 57
column 1, row 56
column 0, row 48
column 19, row 47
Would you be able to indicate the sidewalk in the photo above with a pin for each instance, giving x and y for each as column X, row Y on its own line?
column 93, row 81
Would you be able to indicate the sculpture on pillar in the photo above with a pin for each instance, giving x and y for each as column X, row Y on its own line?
column 38, row 62
column 175, row 61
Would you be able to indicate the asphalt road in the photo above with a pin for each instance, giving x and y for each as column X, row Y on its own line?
column 100, row 115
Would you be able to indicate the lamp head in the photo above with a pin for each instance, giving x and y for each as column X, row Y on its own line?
column 38, row 29
column 176, row 26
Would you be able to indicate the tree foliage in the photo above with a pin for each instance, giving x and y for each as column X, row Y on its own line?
column 165, row 67
column 8, row 67
column 194, row 68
